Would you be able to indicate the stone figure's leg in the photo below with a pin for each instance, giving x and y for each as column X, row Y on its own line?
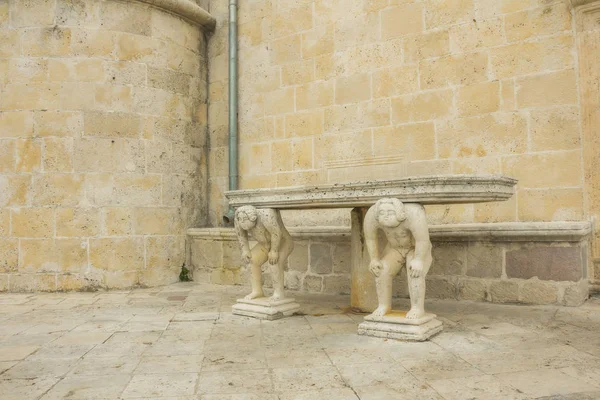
column 392, row 263
column 259, row 256
column 416, row 289
column 277, row 270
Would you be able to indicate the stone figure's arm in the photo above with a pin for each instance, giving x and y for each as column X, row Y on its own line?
column 273, row 225
column 371, row 227
column 242, row 236
column 420, row 231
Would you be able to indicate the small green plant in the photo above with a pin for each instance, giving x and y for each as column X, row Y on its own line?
column 184, row 275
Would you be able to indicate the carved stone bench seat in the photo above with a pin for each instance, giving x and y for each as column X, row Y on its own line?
column 392, row 207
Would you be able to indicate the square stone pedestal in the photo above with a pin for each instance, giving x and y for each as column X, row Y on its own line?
column 264, row 308
column 394, row 325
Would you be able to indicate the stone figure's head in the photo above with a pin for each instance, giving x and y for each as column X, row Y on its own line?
column 245, row 217
column 390, row 212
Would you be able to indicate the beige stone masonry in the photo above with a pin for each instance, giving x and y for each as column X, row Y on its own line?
column 469, row 261
column 103, row 138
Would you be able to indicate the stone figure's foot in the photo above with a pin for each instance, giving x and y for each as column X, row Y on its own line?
column 415, row 313
column 381, row 311
column 254, row 295
column 276, row 297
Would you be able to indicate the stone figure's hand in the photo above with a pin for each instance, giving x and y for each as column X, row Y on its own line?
column 375, row 267
column 246, row 257
column 415, row 268
column 273, row 257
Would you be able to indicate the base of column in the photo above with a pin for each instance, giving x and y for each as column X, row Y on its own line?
column 395, row 325
column 265, row 308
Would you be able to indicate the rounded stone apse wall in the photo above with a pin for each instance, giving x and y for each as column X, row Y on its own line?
column 102, row 141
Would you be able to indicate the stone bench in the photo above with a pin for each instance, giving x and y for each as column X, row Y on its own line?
column 454, row 189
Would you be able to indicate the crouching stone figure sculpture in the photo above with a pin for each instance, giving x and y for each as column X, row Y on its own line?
column 274, row 245
column 405, row 229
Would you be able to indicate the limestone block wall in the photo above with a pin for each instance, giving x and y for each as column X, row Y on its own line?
column 588, row 26
column 501, row 263
column 337, row 90
column 103, row 122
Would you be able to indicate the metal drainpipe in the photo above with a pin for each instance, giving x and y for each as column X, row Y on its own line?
column 233, row 106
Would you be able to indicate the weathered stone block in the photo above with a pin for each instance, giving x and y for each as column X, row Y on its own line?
column 560, row 169
column 27, row 70
column 504, row 291
column 123, row 17
column 137, row 190
column 114, row 98
column 353, row 89
column 33, row 222
column 315, row 95
column 312, row 284
column 546, row 263
column 552, row 53
column 297, row 73
column 46, row 42
column 550, row 205
column 121, row 279
column 16, row 124
column 28, row 155
column 157, row 221
column 555, row 129
column 207, row 254
column 93, row 43
column 482, row 98
column 293, row 280
column 484, row 261
column 422, row 107
column 341, row 258
column 463, row 69
column 15, row 190
column 448, row 12
column 540, row 21
column 53, row 255
column 551, row 89
column 4, row 222
column 494, row 134
column 77, row 13
column 58, row 123
column 401, row 20
column 58, row 154
column 321, row 261
column 9, row 255
column 7, row 155
column 426, row 45
column 28, row 13
column 298, row 260
column 77, row 222
column 118, row 221
column 449, row 259
column 317, row 41
column 476, row 34
column 118, row 254
column 472, row 289
column 232, row 255
column 336, row 284
column 395, row 81
column 59, row 189
column 576, row 294
column 537, row 292
column 441, row 288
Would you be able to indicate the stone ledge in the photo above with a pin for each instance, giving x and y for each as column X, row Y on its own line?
column 185, row 9
column 491, row 232
column 437, row 189
column 296, row 232
column 579, row 3
column 513, row 232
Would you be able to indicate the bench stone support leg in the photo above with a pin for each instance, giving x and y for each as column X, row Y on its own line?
column 363, row 292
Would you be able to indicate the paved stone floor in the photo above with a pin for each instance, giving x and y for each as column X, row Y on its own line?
column 182, row 342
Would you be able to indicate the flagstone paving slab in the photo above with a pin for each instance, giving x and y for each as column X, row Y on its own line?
column 181, row 342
